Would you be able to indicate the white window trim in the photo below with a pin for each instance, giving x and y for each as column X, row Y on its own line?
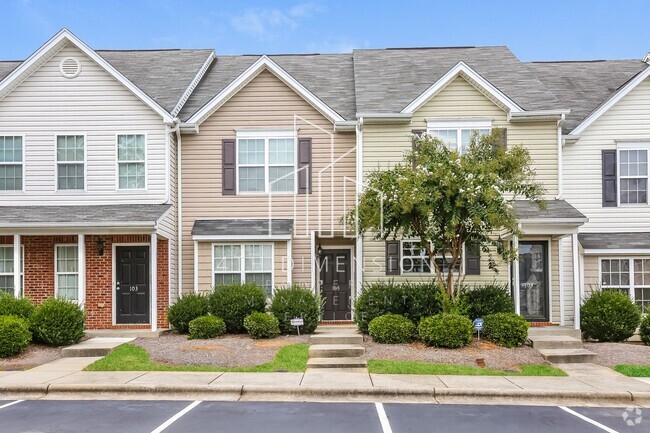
column 459, row 125
column 22, row 267
column 631, row 146
column 631, row 271
column 267, row 134
column 146, row 165
column 242, row 270
column 57, row 273
column 57, row 162
column 461, row 265
column 22, row 164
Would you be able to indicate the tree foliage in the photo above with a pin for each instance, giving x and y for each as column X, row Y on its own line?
column 448, row 199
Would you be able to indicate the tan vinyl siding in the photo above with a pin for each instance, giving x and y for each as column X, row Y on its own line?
column 267, row 102
column 629, row 119
column 169, row 224
column 592, row 278
column 95, row 104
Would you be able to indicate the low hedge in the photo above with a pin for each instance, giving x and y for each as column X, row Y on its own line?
column 206, row 327
column 58, row 322
column 644, row 330
column 14, row 335
column 609, row 316
column 446, row 330
column 186, row 309
column 233, row 302
column 21, row 307
column 262, row 325
column 391, row 329
column 296, row 301
column 505, row 329
column 482, row 301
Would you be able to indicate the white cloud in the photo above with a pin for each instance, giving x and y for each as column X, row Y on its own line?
column 266, row 23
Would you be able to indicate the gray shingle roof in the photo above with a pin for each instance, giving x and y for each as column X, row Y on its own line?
column 555, row 209
column 242, row 227
column 388, row 80
column 94, row 215
column 584, row 86
column 610, row 241
column 6, row 67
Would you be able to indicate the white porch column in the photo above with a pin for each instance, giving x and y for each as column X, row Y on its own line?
column 515, row 273
column 576, row 281
column 289, row 262
column 313, row 261
column 560, row 277
column 196, row 267
column 17, row 267
column 154, row 281
column 81, row 254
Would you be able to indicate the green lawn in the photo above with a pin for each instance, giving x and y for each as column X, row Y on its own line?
column 128, row 357
column 411, row 367
column 633, row 370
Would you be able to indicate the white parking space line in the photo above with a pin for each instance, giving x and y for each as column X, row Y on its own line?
column 176, row 417
column 587, row 419
column 10, row 404
column 385, row 425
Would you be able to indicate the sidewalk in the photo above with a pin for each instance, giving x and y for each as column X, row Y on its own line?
column 587, row 384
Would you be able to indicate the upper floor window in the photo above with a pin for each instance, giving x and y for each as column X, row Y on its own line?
column 416, row 261
column 70, row 161
column 131, row 157
column 457, row 134
column 630, row 276
column 266, row 162
column 633, row 175
column 11, row 163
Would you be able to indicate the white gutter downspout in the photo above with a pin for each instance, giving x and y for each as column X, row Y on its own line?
column 179, row 210
column 560, row 181
column 359, row 184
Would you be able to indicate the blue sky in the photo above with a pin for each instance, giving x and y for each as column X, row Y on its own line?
column 534, row 30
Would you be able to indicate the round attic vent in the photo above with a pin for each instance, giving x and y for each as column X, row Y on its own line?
column 70, row 67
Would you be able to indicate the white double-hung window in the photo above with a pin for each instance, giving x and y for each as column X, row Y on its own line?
column 70, row 166
column 67, row 272
column 630, row 276
column 416, row 261
column 7, row 269
column 266, row 161
column 457, row 134
column 243, row 263
column 633, row 173
column 11, row 163
column 131, row 161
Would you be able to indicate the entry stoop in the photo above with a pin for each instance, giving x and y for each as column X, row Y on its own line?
column 560, row 345
column 336, row 346
column 94, row 347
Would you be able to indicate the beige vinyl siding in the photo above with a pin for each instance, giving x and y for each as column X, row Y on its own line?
column 95, row 104
column 592, row 278
column 629, row 119
column 267, row 102
column 168, row 225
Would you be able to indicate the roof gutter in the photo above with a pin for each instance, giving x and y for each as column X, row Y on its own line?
column 385, row 118
column 345, row 125
column 560, row 180
column 537, row 115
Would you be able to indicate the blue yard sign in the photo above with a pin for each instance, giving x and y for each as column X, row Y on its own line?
column 478, row 325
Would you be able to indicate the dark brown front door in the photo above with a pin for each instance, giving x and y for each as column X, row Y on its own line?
column 132, row 284
column 336, row 284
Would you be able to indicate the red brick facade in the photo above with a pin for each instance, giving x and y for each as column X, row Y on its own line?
column 40, row 268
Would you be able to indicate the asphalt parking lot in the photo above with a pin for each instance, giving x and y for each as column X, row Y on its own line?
column 50, row 416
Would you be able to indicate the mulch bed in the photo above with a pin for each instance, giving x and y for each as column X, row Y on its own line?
column 36, row 354
column 496, row 357
column 226, row 351
column 611, row 354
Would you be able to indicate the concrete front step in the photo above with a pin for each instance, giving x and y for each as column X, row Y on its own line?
column 336, row 329
column 336, row 351
column 553, row 330
column 564, row 356
column 337, row 363
column 93, row 347
column 336, row 339
column 556, row 342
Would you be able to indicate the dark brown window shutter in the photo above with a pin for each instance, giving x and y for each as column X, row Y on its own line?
column 503, row 138
column 393, row 258
column 228, row 167
column 419, row 133
column 609, row 178
column 472, row 259
column 304, row 160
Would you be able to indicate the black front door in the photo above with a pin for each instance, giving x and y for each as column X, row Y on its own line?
column 336, row 284
column 533, row 280
column 132, row 284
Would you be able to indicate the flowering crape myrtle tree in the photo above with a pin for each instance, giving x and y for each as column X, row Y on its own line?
column 447, row 200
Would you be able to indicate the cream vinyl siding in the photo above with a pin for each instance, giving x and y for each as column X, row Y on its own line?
column 93, row 104
column 628, row 120
column 567, row 269
column 266, row 102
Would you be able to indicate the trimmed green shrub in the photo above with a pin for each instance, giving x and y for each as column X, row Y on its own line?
column 14, row 335
column 485, row 300
column 296, row 301
column 505, row 329
column 186, row 309
column 262, row 325
column 391, row 329
column 205, row 327
column 446, row 330
column 609, row 316
column 644, row 330
column 411, row 300
column 21, row 307
column 58, row 322
column 233, row 302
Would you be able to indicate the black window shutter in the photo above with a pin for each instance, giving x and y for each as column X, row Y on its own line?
column 304, row 160
column 609, row 178
column 472, row 259
column 419, row 133
column 228, row 167
column 393, row 258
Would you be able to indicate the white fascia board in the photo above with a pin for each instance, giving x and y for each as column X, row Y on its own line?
column 611, row 252
column 199, row 75
column 595, row 115
column 66, row 35
column 117, row 224
column 646, row 58
column 538, row 115
column 257, row 238
column 253, row 70
column 461, row 68
column 542, row 221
